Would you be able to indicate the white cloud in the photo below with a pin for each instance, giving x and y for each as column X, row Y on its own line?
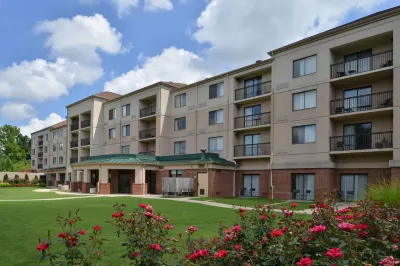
column 36, row 124
column 154, row 5
column 17, row 111
column 74, row 43
column 172, row 64
column 124, row 7
column 241, row 32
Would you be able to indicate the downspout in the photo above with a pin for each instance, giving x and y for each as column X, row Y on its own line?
column 272, row 136
column 143, row 178
column 196, row 111
column 271, row 177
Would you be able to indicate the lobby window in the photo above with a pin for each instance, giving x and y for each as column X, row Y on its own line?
column 304, row 134
column 180, row 123
column 216, row 144
column 126, row 130
column 125, row 149
column 60, row 146
column 305, row 66
column 112, row 114
column 60, row 160
column 216, row 90
column 179, row 147
column 304, row 100
column 126, row 110
column 180, row 100
column 112, row 132
column 216, row 117
column 45, row 161
column 175, row 173
column 54, row 147
column 54, row 160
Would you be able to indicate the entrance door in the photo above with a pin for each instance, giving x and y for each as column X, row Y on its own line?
column 124, row 183
column 62, row 178
column 151, row 181
column 251, row 185
column 94, row 177
column 353, row 187
column 202, row 184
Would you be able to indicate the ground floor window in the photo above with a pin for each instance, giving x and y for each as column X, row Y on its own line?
column 353, row 186
column 175, row 173
column 303, row 186
column 251, row 185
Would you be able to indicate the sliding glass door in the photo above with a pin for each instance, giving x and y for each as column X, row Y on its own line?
column 252, row 116
column 251, row 185
column 356, row 100
column 252, row 145
column 303, row 186
column 353, row 186
column 357, row 136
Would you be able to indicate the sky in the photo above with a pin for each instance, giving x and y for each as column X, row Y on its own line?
column 54, row 53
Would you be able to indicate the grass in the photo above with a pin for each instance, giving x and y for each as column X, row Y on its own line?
column 250, row 202
column 388, row 192
column 13, row 193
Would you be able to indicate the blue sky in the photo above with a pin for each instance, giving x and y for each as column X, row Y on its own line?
column 133, row 43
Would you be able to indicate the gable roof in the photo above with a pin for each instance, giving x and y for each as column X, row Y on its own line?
column 59, row 125
column 105, row 95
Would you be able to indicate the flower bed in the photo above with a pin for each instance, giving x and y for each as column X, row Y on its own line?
column 367, row 234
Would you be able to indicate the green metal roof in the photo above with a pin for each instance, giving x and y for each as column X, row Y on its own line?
column 195, row 158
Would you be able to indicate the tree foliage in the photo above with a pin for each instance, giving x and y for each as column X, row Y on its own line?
column 15, row 149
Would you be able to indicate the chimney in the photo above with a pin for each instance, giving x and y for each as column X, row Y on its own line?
column 203, row 153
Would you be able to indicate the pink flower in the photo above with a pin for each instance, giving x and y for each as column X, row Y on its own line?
column 236, row 228
column 134, row 255
column 143, row 205
column 276, row 233
column 242, row 210
column 82, row 232
column 156, row 247
column 168, row 227
column 149, row 209
column 71, row 221
column 318, row 229
column 148, row 214
column 221, row 254
column 198, row 254
column 334, row 253
column 288, row 213
column 294, row 205
column 192, row 229
column 284, row 229
column 345, row 210
column 362, row 226
column 97, row 228
column 346, row 226
column 42, row 247
column 305, row 262
column 389, row 261
column 238, row 247
column 264, row 217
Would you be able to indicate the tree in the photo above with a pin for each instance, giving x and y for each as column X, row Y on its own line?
column 15, row 149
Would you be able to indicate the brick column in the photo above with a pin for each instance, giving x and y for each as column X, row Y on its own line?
column 85, row 187
column 75, row 186
column 104, row 188
column 138, row 189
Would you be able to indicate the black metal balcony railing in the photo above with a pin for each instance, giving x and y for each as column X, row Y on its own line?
column 85, row 158
column 73, row 160
column 360, row 65
column 85, row 123
column 40, row 143
column 253, row 120
column 40, row 166
column 40, row 154
column 252, row 150
column 148, row 153
column 148, row 133
column 369, row 141
column 362, row 103
column 74, row 126
column 73, row 143
column 85, row 141
column 253, row 91
column 148, row 111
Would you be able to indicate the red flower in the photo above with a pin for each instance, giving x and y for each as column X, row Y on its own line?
column 347, row 226
column 148, row 214
column 180, row 234
column 238, row 247
column 276, row 233
column 264, row 217
column 334, row 253
column 284, row 229
column 318, row 229
column 294, row 205
column 71, row 221
column 288, row 213
column 221, row 254
column 305, row 262
column 116, row 215
column 242, row 210
column 168, row 227
column 42, row 247
column 389, row 261
column 312, row 206
column 134, row 255
column 142, row 205
column 236, row 228
column 96, row 227
column 62, row 235
column 362, row 226
column 283, row 208
column 395, row 240
column 345, row 210
column 82, row 232
column 198, row 254
column 156, row 247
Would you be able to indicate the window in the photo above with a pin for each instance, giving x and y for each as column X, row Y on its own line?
column 356, row 100
column 175, row 173
column 180, row 100
column 61, row 133
column 112, row 132
column 126, row 109
column 125, row 149
column 45, row 149
column 33, row 151
column 252, row 145
column 60, row 160
column 216, row 117
column 54, row 134
column 126, row 130
column 60, row 146
column 112, row 114
column 252, row 87
column 303, row 134
column 305, row 66
column 303, row 187
column 45, row 161
column 179, row 147
column 54, row 160
column 304, row 100
column 54, row 147
column 46, row 137
column 180, row 123
column 33, row 162
column 216, row 90
column 252, row 116
column 216, row 144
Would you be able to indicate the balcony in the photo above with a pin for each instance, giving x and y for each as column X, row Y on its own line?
column 148, row 111
column 40, row 154
column 85, row 123
column 73, row 144
column 40, row 143
column 147, row 134
column 252, row 150
column 252, row 121
column 148, row 153
column 85, row 141
column 40, row 166
column 253, row 91
column 84, row 158
column 362, row 142
column 73, row 160
column 74, row 126
column 362, row 103
column 361, row 65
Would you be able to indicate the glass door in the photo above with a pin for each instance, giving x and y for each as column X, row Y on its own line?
column 303, row 186
column 124, row 183
column 356, row 100
column 353, row 187
column 251, row 119
column 358, row 136
column 252, row 87
column 251, row 145
column 251, row 185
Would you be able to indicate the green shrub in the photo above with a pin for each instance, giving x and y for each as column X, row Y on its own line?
column 5, row 178
column 35, row 180
column 26, row 179
column 4, row 185
column 41, row 184
column 387, row 192
column 16, row 179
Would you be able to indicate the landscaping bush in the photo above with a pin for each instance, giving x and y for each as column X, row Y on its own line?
column 35, row 180
column 41, row 184
column 5, row 178
column 388, row 192
column 26, row 179
column 367, row 234
column 4, row 184
column 16, row 179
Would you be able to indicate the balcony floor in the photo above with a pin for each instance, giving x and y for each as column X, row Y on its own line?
column 363, row 77
column 363, row 114
column 385, row 150
column 252, row 128
column 148, row 139
column 251, row 157
column 253, row 99
column 148, row 118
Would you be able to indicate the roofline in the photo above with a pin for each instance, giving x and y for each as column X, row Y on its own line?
column 85, row 99
column 49, row 128
column 345, row 27
column 149, row 163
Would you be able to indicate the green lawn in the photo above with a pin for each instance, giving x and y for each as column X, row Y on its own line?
column 250, row 202
column 13, row 193
column 22, row 223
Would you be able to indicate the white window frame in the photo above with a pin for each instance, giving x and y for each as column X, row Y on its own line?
column 218, row 117
column 180, row 100
column 219, row 87
column 123, row 149
column 60, row 146
column 178, row 123
column 305, row 65
column 54, row 160
column 126, row 130
column 112, row 133
column 216, row 143
column 304, row 100
column 180, row 144
column 114, row 114
column 126, row 109
column 54, row 147
column 308, row 137
column 54, row 134
column 61, row 160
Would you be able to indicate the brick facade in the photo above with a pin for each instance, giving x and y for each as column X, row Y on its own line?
column 264, row 185
column 85, row 187
column 139, row 189
column 104, row 188
column 76, row 186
